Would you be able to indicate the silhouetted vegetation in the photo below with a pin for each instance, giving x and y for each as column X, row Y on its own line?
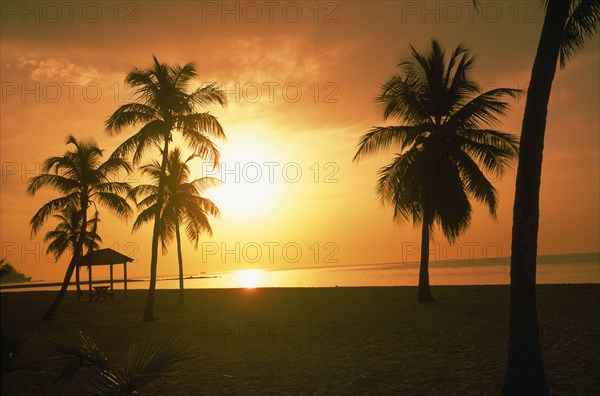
column 10, row 274
column 443, row 145
column 84, row 182
column 144, row 363
column 567, row 25
column 182, row 204
column 163, row 108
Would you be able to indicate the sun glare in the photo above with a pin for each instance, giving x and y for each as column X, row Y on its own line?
column 248, row 278
column 249, row 179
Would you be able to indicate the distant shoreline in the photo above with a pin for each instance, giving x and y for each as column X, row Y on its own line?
column 36, row 284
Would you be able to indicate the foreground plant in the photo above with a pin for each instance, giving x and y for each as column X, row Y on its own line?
column 144, row 363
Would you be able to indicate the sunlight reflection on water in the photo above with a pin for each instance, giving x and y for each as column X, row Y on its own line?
column 552, row 269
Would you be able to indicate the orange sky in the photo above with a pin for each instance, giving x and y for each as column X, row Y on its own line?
column 301, row 78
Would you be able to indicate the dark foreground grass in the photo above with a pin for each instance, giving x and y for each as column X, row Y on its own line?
column 321, row 340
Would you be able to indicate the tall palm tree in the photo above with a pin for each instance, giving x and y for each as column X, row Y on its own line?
column 443, row 142
column 83, row 180
column 182, row 204
column 164, row 107
column 567, row 25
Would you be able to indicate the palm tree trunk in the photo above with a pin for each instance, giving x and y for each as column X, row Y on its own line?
column 424, row 289
column 180, row 258
column 63, row 288
column 149, row 308
column 525, row 373
column 77, row 253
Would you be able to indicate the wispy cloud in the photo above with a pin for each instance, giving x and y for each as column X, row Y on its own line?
column 56, row 68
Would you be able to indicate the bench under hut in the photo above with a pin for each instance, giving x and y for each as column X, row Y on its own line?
column 102, row 257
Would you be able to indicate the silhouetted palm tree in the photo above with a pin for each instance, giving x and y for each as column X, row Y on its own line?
column 163, row 107
column 65, row 234
column 567, row 25
column 442, row 144
column 182, row 204
column 83, row 180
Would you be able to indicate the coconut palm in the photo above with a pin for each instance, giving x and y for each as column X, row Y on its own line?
column 64, row 236
column 83, row 180
column 182, row 205
column 567, row 25
column 444, row 144
column 164, row 107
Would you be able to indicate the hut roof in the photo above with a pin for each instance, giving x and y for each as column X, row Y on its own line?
column 104, row 257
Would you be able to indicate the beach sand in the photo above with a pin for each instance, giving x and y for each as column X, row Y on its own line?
column 317, row 340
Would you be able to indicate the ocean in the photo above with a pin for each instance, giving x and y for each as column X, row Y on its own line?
column 563, row 268
column 551, row 269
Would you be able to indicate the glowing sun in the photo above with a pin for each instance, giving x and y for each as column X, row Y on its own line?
column 249, row 180
column 248, row 278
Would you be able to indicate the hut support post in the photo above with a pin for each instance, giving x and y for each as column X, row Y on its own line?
column 125, row 279
column 77, row 282
column 90, row 283
column 111, row 277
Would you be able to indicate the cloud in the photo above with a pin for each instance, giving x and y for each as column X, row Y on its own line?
column 281, row 58
column 57, row 68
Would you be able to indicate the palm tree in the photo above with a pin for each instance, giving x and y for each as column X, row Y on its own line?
column 64, row 236
column 567, row 25
column 83, row 180
column 163, row 107
column 443, row 141
column 182, row 204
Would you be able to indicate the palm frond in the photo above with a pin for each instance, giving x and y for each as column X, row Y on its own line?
column 207, row 95
column 115, row 203
column 182, row 75
column 142, row 190
column 145, row 362
column 583, row 23
column 202, row 184
column 382, row 138
column 483, row 109
column 129, row 115
column 476, row 183
column 146, row 216
column 152, row 133
column 401, row 99
column 399, row 186
column 203, row 147
column 58, row 182
column 49, row 208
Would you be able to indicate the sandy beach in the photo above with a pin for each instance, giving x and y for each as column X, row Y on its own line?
column 317, row 340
